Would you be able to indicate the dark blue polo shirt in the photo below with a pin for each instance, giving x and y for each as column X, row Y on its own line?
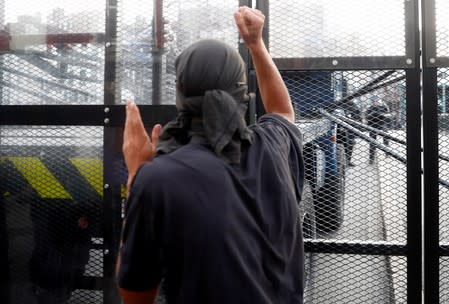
column 219, row 233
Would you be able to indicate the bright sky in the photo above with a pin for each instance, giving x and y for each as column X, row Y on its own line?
column 338, row 27
column 14, row 8
column 25, row 7
column 366, row 18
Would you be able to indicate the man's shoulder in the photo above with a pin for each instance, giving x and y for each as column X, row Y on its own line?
column 277, row 126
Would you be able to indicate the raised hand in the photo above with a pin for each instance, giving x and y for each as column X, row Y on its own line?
column 250, row 23
column 274, row 93
column 137, row 147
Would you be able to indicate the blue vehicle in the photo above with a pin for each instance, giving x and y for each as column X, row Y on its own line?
column 324, row 158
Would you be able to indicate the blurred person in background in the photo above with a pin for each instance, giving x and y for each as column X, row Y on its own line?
column 377, row 117
column 61, row 248
column 346, row 136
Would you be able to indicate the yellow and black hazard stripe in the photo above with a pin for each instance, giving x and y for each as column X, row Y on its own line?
column 71, row 178
column 39, row 177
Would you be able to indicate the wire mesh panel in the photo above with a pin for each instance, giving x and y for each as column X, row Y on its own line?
column 365, row 282
column 354, row 126
column 153, row 34
column 444, row 268
column 51, row 214
column 443, row 119
column 137, row 49
column 442, row 28
column 442, row 104
column 443, row 136
column 329, row 28
column 355, row 165
column 53, row 53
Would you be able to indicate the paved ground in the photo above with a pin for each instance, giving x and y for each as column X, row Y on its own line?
column 355, row 278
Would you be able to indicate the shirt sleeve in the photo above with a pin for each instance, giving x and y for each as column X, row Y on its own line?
column 140, row 251
column 292, row 131
column 288, row 135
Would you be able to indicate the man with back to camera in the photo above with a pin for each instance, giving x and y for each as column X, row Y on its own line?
column 215, row 212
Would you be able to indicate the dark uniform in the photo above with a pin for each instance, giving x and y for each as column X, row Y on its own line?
column 376, row 118
column 61, row 249
column 345, row 136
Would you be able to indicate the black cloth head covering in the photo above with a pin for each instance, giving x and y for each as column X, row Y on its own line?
column 211, row 100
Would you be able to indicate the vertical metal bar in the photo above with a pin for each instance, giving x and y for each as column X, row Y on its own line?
column 430, row 142
column 158, row 49
column 110, row 85
column 251, row 116
column 414, row 188
column 112, row 210
column 411, row 10
column 431, row 195
column 242, row 48
column 264, row 6
column 429, row 32
column 258, row 107
column 111, row 215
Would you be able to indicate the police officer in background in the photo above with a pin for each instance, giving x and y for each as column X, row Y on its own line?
column 346, row 136
column 377, row 118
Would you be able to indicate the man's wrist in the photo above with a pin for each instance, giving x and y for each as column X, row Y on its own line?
column 257, row 47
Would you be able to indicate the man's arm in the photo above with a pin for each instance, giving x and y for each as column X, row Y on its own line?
column 135, row 297
column 275, row 96
column 137, row 148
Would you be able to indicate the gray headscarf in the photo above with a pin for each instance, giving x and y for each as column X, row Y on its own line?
column 211, row 100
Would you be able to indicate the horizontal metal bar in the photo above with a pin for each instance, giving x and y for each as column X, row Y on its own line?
column 355, row 247
column 372, row 89
column 443, row 157
column 378, row 145
column 54, row 84
column 362, row 91
column 151, row 114
column 90, row 283
column 21, row 42
column 47, row 67
column 82, row 115
column 443, row 183
column 97, row 246
column 437, row 62
column 384, row 134
column 344, row 63
column 365, row 127
column 365, row 137
column 27, row 90
column 444, row 250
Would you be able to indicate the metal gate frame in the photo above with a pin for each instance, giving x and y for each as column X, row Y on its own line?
column 433, row 251
column 420, row 182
